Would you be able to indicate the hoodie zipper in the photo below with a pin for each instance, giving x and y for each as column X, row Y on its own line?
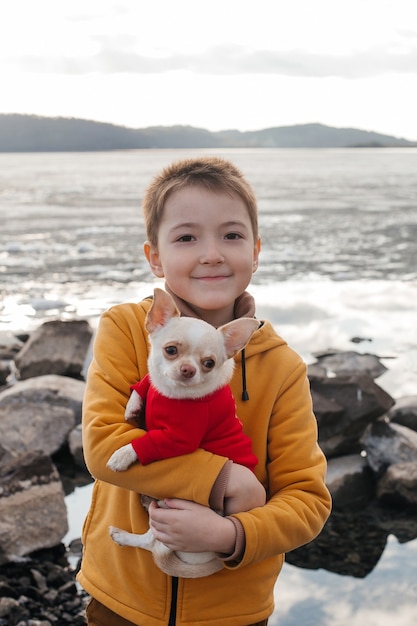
column 173, row 611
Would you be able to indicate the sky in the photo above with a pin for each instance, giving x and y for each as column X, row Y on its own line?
column 223, row 64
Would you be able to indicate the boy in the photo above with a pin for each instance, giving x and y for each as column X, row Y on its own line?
column 201, row 220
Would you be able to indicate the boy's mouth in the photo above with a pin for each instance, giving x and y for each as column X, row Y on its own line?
column 216, row 277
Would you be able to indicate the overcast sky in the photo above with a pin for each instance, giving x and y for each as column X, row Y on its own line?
column 244, row 64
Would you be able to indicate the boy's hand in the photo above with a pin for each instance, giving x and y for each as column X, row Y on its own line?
column 190, row 527
column 243, row 491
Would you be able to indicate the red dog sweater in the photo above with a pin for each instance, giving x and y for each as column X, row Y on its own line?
column 180, row 426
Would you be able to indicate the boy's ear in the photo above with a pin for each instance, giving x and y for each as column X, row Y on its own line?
column 256, row 252
column 152, row 257
column 163, row 309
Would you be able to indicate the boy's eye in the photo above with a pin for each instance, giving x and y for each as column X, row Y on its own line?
column 233, row 236
column 171, row 350
column 186, row 238
column 208, row 364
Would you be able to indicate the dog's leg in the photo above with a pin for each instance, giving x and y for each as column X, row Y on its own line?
column 193, row 565
column 123, row 538
column 134, row 407
column 123, row 458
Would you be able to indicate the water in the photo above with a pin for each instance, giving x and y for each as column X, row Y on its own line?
column 331, row 213
column 339, row 232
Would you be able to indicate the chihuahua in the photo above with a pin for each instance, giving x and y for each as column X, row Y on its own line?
column 188, row 404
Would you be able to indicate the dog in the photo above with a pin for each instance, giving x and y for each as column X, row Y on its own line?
column 188, row 404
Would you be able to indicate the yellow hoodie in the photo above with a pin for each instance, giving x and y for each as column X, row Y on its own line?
column 277, row 417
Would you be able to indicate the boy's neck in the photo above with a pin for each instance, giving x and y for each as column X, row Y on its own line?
column 244, row 306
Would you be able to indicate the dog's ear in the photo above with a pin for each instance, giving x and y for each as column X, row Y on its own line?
column 163, row 309
column 236, row 334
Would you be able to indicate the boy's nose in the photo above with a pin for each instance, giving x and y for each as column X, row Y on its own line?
column 212, row 254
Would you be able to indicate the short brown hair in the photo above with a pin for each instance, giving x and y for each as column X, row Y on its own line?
column 212, row 173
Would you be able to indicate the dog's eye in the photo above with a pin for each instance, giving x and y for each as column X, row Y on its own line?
column 171, row 350
column 209, row 363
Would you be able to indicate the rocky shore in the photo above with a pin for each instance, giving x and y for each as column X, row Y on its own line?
column 369, row 438
column 41, row 590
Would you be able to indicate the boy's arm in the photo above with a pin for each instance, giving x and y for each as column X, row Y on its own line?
column 299, row 502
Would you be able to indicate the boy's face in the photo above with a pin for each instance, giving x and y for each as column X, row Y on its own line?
column 206, row 251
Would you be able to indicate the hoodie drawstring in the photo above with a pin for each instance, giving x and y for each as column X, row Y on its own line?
column 245, row 395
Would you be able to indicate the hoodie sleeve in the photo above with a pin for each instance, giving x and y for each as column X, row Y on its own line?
column 279, row 418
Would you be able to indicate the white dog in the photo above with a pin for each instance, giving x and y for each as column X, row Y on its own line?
column 190, row 361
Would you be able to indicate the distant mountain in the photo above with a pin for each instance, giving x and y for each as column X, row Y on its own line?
column 30, row 133
column 312, row 136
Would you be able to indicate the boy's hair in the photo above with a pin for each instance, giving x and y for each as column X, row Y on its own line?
column 211, row 173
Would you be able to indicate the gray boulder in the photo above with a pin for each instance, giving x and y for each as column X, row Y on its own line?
column 344, row 407
column 53, row 389
column 75, row 444
column 33, row 511
column 350, row 482
column 387, row 444
column 10, row 345
column 5, row 371
column 398, row 486
column 405, row 412
column 55, row 348
column 38, row 414
column 348, row 363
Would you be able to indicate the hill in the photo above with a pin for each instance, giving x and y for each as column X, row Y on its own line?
column 31, row 133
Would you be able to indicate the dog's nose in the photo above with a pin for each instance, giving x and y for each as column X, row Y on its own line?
column 187, row 370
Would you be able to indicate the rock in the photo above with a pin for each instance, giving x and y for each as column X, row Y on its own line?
column 54, row 406
column 388, row 444
column 25, row 427
column 6, row 457
column 33, row 511
column 397, row 521
column 39, row 413
column 398, row 486
column 405, row 412
column 350, row 482
column 316, row 371
column 10, row 345
column 49, row 389
column 5, row 371
column 360, row 339
column 75, row 443
column 41, row 591
column 55, row 348
column 342, row 363
column 344, row 407
column 350, row 544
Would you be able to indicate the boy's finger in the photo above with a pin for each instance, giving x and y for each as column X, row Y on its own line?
column 177, row 503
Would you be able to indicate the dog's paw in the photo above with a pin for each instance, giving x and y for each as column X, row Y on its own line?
column 117, row 534
column 123, row 458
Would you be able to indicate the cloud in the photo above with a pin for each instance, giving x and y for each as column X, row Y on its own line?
column 115, row 57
